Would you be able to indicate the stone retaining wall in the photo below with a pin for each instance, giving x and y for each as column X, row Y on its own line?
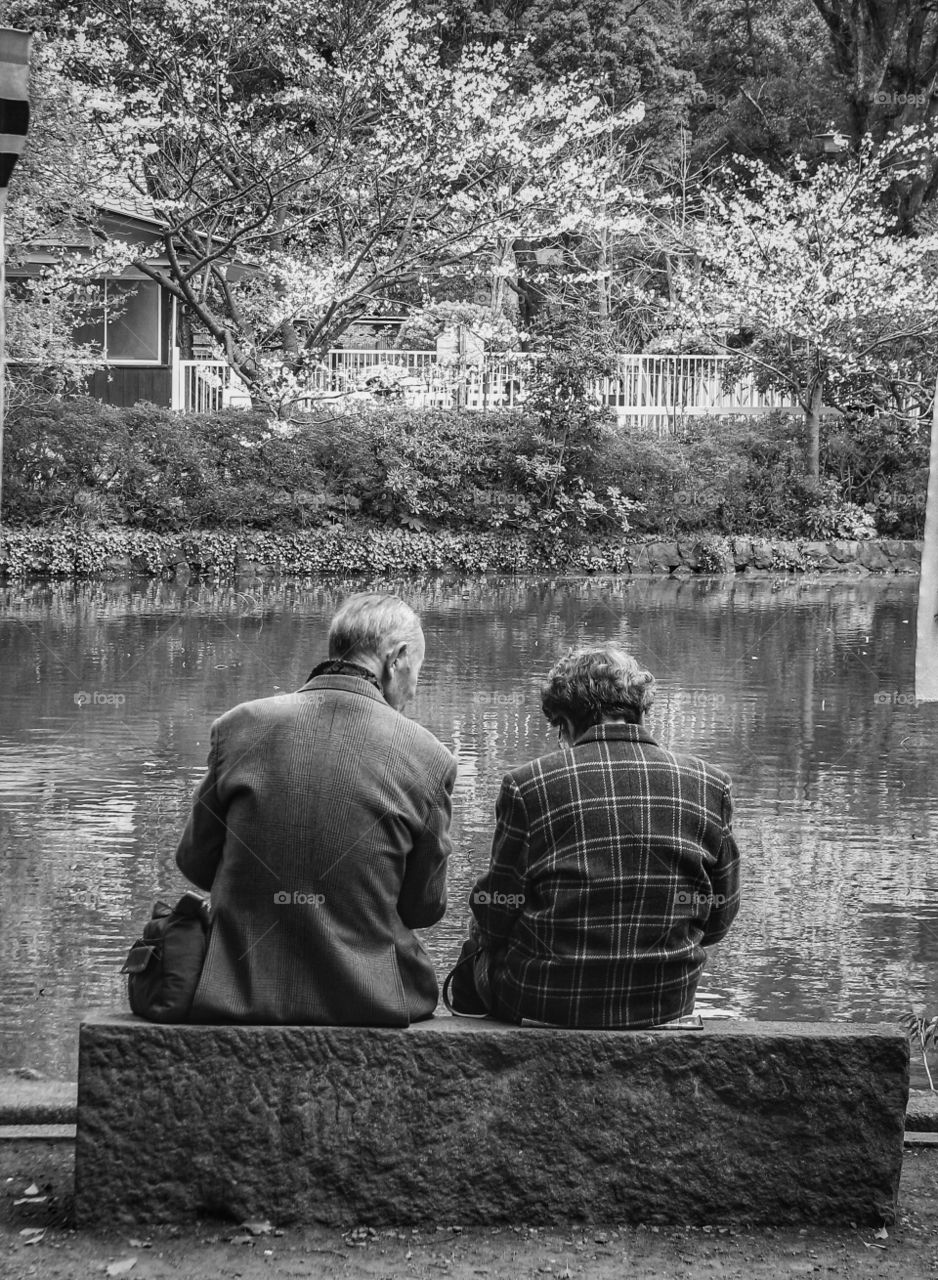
column 477, row 1123
column 763, row 555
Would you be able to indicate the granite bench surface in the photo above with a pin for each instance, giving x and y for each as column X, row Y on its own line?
column 475, row 1122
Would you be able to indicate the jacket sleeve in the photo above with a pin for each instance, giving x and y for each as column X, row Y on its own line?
column 203, row 840
column 498, row 897
column 422, row 899
column 724, row 879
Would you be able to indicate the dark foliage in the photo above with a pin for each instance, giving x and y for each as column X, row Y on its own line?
column 558, row 471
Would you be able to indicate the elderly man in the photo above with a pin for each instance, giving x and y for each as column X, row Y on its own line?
column 322, row 832
column 613, row 867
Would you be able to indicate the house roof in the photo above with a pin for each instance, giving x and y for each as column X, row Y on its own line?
column 132, row 207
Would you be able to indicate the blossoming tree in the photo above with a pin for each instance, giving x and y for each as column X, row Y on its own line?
column 834, row 307
column 328, row 152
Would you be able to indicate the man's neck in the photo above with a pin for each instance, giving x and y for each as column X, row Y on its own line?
column 343, row 667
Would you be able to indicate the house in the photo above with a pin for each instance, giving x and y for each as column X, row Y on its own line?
column 143, row 331
column 152, row 348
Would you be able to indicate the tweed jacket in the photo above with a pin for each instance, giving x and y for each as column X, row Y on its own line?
column 322, row 832
column 613, row 866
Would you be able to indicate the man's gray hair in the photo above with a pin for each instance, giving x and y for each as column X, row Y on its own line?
column 370, row 623
column 594, row 683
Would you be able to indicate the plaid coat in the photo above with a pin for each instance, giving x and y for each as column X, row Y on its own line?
column 322, row 831
column 613, row 866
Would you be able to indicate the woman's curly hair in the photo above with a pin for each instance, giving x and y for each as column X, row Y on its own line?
column 594, row 683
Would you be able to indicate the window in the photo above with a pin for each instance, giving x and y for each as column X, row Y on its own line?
column 128, row 330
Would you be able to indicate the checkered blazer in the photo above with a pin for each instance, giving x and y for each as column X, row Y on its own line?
column 322, row 831
column 613, row 866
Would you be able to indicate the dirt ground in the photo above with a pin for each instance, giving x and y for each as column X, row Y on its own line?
column 219, row 1251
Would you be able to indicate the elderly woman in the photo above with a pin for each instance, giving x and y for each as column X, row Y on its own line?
column 613, row 866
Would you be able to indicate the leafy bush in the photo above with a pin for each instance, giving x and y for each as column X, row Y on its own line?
column 563, row 446
column 559, row 471
column 83, row 460
column 830, row 515
column 725, row 475
column 881, row 464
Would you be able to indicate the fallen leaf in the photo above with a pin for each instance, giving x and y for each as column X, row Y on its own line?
column 35, row 1234
column 121, row 1267
column 31, row 1190
column 881, row 1234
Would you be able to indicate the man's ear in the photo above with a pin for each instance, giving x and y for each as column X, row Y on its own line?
column 394, row 654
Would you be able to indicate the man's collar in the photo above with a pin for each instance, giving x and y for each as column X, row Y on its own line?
column 338, row 667
column 616, row 731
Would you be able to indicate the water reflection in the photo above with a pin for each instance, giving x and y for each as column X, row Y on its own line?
column 801, row 689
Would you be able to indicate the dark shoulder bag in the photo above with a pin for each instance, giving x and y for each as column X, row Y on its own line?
column 164, row 966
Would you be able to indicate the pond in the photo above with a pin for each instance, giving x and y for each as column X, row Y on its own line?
column 801, row 688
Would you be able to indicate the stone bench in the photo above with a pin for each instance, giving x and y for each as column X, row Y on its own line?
column 464, row 1122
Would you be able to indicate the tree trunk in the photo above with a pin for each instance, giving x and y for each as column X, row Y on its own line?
column 604, row 284
column 926, row 637
column 504, row 296
column 288, row 335
column 812, row 422
column 532, row 298
column 886, row 50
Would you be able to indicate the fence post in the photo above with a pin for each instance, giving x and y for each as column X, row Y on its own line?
column 176, row 398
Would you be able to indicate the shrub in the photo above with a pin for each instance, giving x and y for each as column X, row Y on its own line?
column 560, row 471
column 881, row 465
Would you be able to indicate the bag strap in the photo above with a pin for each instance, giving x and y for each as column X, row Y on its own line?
column 447, row 984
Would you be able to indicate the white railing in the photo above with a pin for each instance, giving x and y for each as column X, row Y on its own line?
column 652, row 391
column 426, row 379
column 205, row 386
column 677, row 386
